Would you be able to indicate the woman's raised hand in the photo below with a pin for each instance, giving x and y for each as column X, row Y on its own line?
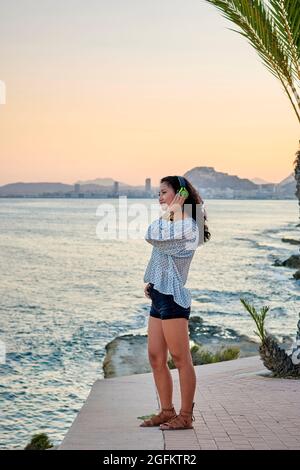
column 177, row 203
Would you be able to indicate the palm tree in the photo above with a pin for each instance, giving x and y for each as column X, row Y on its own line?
column 272, row 27
column 273, row 356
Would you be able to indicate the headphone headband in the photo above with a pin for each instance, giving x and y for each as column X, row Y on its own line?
column 182, row 190
column 181, row 181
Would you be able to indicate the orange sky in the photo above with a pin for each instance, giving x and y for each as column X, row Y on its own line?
column 131, row 90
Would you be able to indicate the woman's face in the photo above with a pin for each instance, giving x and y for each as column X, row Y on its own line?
column 166, row 195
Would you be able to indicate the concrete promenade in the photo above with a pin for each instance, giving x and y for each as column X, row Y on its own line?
column 237, row 406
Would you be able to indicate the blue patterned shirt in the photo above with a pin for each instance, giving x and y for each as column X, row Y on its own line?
column 174, row 245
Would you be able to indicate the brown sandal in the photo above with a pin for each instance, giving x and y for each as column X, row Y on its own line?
column 162, row 417
column 181, row 421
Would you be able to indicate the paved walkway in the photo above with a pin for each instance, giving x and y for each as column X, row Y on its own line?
column 237, row 406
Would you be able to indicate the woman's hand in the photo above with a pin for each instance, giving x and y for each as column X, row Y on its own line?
column 177, row 203
column 175, row 206
column 146, row 291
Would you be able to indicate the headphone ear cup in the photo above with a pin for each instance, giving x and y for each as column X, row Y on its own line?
column 183, row 192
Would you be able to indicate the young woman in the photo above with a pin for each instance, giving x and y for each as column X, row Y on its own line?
column 174, row 236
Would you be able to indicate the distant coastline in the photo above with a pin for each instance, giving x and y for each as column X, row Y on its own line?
column 210, row 183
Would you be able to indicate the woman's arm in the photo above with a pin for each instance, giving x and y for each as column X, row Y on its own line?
column 173, row 237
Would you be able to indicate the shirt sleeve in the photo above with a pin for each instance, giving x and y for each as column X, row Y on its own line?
column 173, row 238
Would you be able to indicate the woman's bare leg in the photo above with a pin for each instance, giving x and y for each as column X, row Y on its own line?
column 177, row 338
column 158, row 357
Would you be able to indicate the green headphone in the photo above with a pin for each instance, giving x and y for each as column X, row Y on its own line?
column 182, row 191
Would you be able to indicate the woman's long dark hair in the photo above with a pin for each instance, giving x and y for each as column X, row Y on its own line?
column 192, row 201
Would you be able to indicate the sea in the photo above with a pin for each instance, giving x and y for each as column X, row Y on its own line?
column 72, row 280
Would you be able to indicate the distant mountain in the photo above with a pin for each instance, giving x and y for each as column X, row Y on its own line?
column 289, row 179
column 207, row 177
column 34, row 189
column 102, row 182
column 209, row 182
column 19, row 189
column 212, row 183
column 260, row 181
column 287, row 186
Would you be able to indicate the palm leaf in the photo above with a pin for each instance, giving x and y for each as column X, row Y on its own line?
column 273, row 32
column 258, row 26
column 258, row 317
column 286, row 14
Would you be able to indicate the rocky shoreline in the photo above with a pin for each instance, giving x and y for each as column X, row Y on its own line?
column 293, row 261
column 127, row 354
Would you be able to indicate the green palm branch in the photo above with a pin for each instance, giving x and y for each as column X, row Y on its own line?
column 273, row 28
column 258, row 317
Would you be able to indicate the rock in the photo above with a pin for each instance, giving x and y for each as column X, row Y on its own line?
column 128, row 354
column 296, row 275
column 277, row 262
column 292, row 262
column 215, row 337
column 291, row 240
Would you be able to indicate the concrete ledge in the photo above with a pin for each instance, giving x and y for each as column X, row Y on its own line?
column 237, row 406
column 108, row 418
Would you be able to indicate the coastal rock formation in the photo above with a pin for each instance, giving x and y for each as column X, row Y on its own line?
column 214, row 337
column 296, row 275
column 292, row 262
column 128, row 354
column 291, row 241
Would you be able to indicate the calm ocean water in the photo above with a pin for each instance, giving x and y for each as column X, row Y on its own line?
column 64, row 294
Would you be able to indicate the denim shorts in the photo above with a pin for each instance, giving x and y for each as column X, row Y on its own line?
column 164, row 307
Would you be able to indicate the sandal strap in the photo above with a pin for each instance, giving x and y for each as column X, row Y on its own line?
column 189, row 412
column 181, row 420
column 178, row 422
column 161, row 417
column 184, row 413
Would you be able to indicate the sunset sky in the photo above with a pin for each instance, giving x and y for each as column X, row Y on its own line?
column 130, row 89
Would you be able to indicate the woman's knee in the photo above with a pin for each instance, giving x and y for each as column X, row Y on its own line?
column 157, row 361
column 182, row 360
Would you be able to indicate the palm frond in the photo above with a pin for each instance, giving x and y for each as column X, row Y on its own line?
column 273, row 32
column 286, row 14
column 258, row 317
column 257, row 26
